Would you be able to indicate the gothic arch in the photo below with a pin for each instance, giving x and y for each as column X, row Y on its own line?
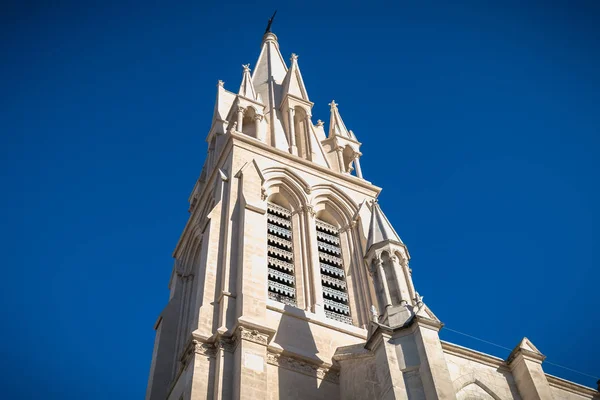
column 470, row 379
column 339, row 202
column 248, row 125
column 402, row 257
column 290, row 185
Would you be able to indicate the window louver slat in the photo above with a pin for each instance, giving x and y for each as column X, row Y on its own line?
column 280, row 257
column 333, row 278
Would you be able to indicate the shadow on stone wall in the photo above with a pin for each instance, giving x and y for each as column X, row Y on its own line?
column 299, row 370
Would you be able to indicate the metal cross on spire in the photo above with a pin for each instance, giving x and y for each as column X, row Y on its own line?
column 270, row 22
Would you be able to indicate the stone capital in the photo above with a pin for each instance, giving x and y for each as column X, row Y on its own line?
column 252, row 334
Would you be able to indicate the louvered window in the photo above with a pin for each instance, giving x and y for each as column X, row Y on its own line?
column 333, row 278
column 280, row 255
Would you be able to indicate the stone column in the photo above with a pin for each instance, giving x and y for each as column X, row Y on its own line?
column 314, row 262
column 387, row 366
column 293, row 148
column 240, row 118
column 250, row 364
column 384, row 284
column 198, row 364
column 309, row 149
column 525, row 362
column 301, row 261
column 433, row 368
column 249, row 257
column 408, row 274
column 257, row 131
column 357, row 165
column 340, row 157
column 400, row 279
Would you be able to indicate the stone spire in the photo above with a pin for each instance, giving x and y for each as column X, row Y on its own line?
column 270, row 71
column 267, row 77
column 380, row 229
column 336, row 124
column 344, row 142
column 246, row 87
column 293, row 84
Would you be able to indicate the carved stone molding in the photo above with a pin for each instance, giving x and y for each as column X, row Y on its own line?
column 263, row 193
column 253, row 335
column 208, row 349
column 307, row 208
column 228, row 344
column 303, row 367
column 197, row 347
column 348, row 227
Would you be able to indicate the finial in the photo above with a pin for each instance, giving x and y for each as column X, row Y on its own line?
column 320, row 123
column 374, row 316
column 333, row 104
column 246, row 67
column 270, row 22
column 418, row 298
column 294, row 57
column 220, row 83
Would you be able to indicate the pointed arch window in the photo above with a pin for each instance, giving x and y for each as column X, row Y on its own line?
column 280, row 255
column 333, row 277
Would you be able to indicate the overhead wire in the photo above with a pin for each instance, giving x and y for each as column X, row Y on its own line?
column 509, row 349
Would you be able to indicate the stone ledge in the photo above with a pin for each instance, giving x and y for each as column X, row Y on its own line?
column 572, row 387
column 303, row 367
column 314, row 318
column 473, row 355
column 273, row 151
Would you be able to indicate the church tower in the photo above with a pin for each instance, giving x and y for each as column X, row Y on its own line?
column 289, row 282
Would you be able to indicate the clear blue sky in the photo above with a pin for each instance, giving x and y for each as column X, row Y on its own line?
column 480, row 121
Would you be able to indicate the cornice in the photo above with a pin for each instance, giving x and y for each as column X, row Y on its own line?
column 256, row 102
column 482, row 358
column 288, row 96
column 350, row 179
column 572, row 387
column 525, row 354
column 252, row 332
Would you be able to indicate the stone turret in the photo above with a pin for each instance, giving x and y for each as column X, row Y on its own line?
column 387, row 262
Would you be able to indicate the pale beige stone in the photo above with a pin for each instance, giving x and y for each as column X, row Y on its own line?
column 220, row 336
